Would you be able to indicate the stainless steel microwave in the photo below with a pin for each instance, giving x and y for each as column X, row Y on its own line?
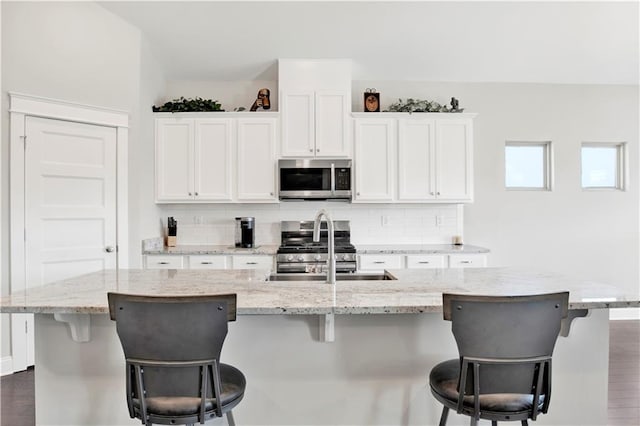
column 314, row 179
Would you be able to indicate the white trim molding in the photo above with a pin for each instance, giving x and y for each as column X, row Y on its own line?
column 6, row 366
column 36, row 106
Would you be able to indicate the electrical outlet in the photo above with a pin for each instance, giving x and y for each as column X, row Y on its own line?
column 439, row 220
column 385, row 220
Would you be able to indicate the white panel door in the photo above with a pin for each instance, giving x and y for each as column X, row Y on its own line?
column 332, row 131
column 374, row 160
column 416, row 176
column 174, row 159
column 213, row 160
column 454, row 159
column 70, row 199
column 298, row 124
column 256, row 159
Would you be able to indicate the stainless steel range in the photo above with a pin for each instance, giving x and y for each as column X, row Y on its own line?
column 299, row 254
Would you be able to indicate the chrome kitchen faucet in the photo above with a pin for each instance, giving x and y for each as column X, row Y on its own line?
column 331, row 256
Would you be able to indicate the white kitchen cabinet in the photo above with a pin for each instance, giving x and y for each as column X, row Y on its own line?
column 375, row 154
column 379, row 262
column 435, row 159
column 159, row 261
column 207, row 261
column 256, row 164
column 426, row 261
column 315, row 124
column 252, row 261
column 193, row 159
column 428, row 158
column 216, row 160
column 467, row 261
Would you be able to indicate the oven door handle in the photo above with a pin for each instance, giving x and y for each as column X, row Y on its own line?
column 333, row 178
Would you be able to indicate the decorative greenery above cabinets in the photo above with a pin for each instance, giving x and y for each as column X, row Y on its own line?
column 189, row 105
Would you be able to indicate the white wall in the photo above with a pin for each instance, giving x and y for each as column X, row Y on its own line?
column 76, row 52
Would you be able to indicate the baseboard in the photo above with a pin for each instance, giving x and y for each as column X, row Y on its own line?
column 6, row 365
column 624, row 314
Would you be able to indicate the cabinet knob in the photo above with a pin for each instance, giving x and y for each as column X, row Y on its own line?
column 358, row 194
column 109, row 249
column 438, row 193
column 196, row 194
column 431, row 193
column 317, row 149
column 189, row 194
column 310, row 149
column 271, row 193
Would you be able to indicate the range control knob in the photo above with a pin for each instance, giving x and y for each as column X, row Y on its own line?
column 317, row 257
column 300, row 258
column 289, row 258
column 345, row 257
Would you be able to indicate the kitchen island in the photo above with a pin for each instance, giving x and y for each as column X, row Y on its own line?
column 388, row 335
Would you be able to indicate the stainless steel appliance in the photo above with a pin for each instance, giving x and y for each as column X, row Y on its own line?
column 314, row 179
column 299, row 254
column 245, row 235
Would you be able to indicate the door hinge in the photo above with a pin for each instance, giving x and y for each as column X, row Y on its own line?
column 26, row 327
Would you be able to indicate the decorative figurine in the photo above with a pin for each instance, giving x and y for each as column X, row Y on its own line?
column 454, row 104
column 262, row 100
column 371, row 101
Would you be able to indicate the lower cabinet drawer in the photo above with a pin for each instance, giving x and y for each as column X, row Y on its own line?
column 372, row 262
column 467, row 261
column 208, row 262
column 422, row 261
column 164, row 262
column 252, row 262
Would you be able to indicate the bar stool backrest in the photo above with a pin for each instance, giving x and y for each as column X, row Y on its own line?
column 506, row 335
column 171, row 329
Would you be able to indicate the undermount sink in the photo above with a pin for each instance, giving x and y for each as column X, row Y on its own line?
column 339, row 277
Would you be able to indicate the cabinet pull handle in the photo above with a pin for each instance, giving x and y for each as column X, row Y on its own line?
column 465, row 261
column 379, row 262
column 424, row 262
column 206, row 263
column 163, row 263
column 251, row 263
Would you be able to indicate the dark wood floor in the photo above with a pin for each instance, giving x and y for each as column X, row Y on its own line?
column 17, row 407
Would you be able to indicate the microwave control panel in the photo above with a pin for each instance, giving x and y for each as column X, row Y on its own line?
column 343, row 179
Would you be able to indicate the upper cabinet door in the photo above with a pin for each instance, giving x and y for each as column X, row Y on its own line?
column 298, row 124
column 374, row 160
column 213, row 159
column 454, row 159
column 256, row 165
column 416, row 146
column 332, row 126
column 174, row 159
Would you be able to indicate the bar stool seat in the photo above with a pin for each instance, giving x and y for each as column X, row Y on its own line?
column 444, row 385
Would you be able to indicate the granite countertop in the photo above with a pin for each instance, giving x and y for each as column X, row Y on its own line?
column 419, row 249
column 267, row 249
column 414, row 291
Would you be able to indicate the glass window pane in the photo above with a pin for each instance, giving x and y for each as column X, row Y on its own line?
column 525, row 166
column 599, row 166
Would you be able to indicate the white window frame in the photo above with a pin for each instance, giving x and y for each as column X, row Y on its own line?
column 547, row 164
column 622, row 166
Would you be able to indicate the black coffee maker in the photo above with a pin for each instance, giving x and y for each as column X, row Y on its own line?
column 245, row 235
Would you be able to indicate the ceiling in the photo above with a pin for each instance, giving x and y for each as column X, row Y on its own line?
column 547, row 42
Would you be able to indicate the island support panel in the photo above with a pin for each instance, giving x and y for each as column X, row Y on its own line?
column 375, row 372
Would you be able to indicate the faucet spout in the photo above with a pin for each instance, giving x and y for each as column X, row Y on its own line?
column 331, row 255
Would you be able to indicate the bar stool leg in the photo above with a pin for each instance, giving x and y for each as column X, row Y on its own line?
column 494, row 423
column 230, row 419
column 443, row 416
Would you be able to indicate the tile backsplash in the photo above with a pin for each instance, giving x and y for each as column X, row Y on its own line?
column 370, row 224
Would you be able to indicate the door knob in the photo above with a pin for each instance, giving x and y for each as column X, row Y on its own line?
column 109, row 249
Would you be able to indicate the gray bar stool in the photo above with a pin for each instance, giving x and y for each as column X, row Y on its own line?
column 172, row 349
column 505, row 346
